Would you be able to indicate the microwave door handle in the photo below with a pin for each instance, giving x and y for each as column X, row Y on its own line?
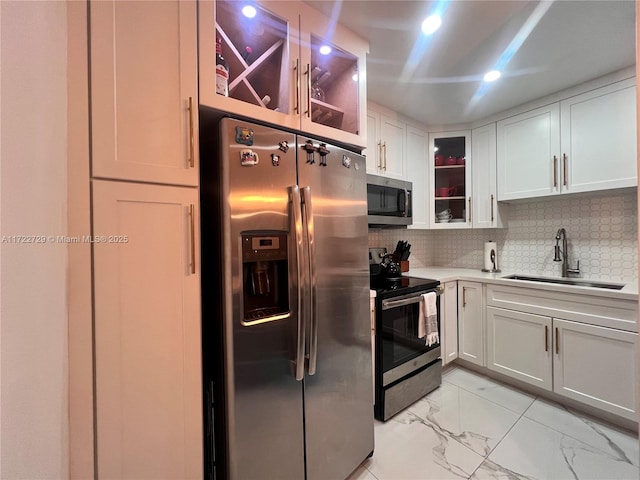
column 313, row 311
column 297, row 228
column 407, row 201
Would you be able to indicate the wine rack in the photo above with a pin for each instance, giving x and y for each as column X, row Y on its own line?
column 259, row 77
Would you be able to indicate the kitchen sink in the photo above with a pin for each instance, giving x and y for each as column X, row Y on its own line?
column 567, row 281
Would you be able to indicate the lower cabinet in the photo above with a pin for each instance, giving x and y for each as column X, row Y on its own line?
column 471, row 329
column 147, row 331
column 449, row 322
column 597, row 366
column 592, row 364
column 518, row 345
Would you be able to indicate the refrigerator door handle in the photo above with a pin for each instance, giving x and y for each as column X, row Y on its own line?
column 297, row 224
column 313, row 312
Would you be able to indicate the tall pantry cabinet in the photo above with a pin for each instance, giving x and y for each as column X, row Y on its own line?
column 145, row 227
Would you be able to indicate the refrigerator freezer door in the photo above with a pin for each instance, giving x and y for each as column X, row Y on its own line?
column 264, row 411
column 338, row 399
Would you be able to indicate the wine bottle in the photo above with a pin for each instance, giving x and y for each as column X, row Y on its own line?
column 222, row 70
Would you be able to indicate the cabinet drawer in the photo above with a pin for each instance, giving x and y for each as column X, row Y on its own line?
column 590, row 309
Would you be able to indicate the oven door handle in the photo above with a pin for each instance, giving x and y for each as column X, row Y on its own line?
column 387, row 304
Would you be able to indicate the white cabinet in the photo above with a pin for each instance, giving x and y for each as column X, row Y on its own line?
column 279, row 71
column 528, row 148
column 386, row 142
column 564, row 343
column 583, row 143
column 519, row 345
column 598, row 139
column 486, row 211
column 471, row 330
column 147, row 331
column 144, row 102
column 449, row 322
column 597, row 366
column 418, row 166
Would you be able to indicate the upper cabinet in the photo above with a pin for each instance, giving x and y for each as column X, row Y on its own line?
column 450, row 179
column 144, row 98
column 288, row 65
column 486, row 211
column 386, row 143
column 584, row 143
column 598, row 139
column 417, row 146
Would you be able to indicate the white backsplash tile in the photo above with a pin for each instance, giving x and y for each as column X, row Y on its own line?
column 602, row 234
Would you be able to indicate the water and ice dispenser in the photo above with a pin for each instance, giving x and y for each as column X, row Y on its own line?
column 265, row 277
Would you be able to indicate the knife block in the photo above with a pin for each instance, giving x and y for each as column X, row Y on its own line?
column 404, row 265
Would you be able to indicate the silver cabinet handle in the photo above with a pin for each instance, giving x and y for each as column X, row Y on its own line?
column 546, row 338
column 192, row 148
column 380, row 155
column 384, row 147
column 313, row 311
column 564, row 169
column 464, row 297
column 469, row 209
column 296, row 69
column 300, row 337
column 555, row 171
column 308, row 74
column 492, row 208
column 557, row 342
column 192, row 237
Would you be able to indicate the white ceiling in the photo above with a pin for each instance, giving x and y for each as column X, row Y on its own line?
column 440, row 83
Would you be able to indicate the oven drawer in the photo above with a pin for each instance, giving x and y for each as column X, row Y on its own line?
column 400, row 396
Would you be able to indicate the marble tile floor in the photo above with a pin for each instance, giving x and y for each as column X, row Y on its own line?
column 476, row 428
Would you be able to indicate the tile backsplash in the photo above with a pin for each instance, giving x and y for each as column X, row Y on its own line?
column 601, row 231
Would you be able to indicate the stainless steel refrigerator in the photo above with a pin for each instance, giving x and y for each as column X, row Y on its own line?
column 286, row 323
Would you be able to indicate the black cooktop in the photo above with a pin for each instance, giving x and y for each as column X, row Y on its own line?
column 401, row 285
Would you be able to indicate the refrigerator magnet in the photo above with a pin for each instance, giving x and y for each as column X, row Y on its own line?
column 244, row 136
column 275, row 160
column 248, row 158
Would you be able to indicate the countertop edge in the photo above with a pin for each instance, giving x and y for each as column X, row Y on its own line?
column 446, row 274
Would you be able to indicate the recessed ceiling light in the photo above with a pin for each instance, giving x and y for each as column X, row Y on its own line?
column 492, row 75
column 325, row 49
column 431, row 24
column 249, row 11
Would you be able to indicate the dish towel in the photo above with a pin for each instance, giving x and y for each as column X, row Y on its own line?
column 428, row 320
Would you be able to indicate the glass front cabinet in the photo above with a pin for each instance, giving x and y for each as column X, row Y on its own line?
column 450, row 180
column 288, row 65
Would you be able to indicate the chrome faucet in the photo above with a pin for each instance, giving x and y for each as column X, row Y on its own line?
column 566, row 271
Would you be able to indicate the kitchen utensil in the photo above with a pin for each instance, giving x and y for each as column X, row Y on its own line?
column 390, row 268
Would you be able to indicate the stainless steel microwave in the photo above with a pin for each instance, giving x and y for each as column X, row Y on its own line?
column 388, row 201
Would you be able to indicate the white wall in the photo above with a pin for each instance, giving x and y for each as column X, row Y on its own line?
column 33, row 311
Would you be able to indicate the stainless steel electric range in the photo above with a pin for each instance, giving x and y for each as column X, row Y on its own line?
column 406, row 368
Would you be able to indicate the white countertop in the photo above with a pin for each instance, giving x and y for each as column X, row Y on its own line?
column 446, row 274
